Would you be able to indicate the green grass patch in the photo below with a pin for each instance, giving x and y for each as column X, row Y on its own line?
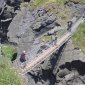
column 38, row 2
column 8, row 51
column 7, row 75
column 25, row 4
column 79, row 37
column 45, row 39
column 79, row 1
column 59, row 2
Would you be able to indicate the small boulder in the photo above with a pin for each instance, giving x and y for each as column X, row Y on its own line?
column 71, row 76
column 36, row 26
column 41, row 12
column 63, row 73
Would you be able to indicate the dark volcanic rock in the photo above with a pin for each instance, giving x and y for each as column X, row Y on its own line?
column 43, row 21
column 7, row 14
column 14, row 2
column 39, row 12
column 63, row 72
column 11, row 2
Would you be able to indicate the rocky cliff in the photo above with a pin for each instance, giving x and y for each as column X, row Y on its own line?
column 21, row 26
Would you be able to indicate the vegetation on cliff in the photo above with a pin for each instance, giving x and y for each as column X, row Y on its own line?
column 38, row 2
column 9, row 51
column 7, row 75
column 79, row 37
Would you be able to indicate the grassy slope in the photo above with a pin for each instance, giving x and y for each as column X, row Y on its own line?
column 79, row 37
column 80, row 1
column 7, row 75
column 8, row 51
column 47, row 38
column 45, row 2
column 37, row 2
column 56, row 7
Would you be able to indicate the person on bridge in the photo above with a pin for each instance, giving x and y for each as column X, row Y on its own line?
column 69, row 23
column 55, row 40
column 23, row 58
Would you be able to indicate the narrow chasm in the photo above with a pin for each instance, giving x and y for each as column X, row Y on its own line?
column 45, row 76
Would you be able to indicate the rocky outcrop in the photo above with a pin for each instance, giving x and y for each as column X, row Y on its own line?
column 26, row 25
column 9, row 5
column 44, row 21
column 10, row 2
column 38, row 21
column 76, row 74
column 7, row 13
column 14, row 2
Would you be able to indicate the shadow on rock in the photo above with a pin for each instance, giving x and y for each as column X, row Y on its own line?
column 14, row 57
column 46, row 75
column 77, row 65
